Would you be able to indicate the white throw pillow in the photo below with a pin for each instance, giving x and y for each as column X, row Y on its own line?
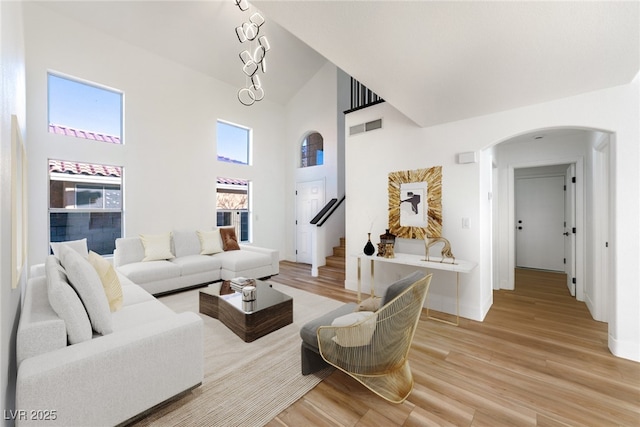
column 66, row 303
column 85, row 280
column 210, row 242
column 156, row 246
column 356, row 336
column 79, row 246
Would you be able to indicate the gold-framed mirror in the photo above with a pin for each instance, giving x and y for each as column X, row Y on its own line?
column 415, row 203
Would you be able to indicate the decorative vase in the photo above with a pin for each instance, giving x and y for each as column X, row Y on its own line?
column 368, row 248
column 387, row 242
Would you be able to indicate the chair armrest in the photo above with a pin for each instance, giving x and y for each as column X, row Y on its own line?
column 112, row 378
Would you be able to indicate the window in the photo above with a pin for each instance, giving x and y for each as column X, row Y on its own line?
column 84, row 110
column 311, row 152
column 232, row 206
column 233, row 143
column 85, row 201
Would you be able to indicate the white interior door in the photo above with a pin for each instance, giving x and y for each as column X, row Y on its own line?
column 539, row 209
column 569, row 227
column 309, row 201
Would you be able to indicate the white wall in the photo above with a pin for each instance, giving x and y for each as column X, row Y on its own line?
column 313, row 109
column 12, row 102
column 400, row 145
column 169, row 156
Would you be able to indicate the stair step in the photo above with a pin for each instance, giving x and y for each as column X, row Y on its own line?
column 343, row 242
column 339, row 251
column 335, row 261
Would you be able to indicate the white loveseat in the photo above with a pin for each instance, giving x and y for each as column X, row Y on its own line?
column 68, row 378
column 186, row 267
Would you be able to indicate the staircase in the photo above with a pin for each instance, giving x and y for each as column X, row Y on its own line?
column 335, row 265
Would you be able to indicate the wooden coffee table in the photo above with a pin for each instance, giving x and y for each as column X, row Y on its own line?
column 250, row 320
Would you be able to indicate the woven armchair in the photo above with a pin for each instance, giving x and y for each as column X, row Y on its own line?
column 375, row 350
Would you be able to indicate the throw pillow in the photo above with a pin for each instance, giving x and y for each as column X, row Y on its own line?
column 66, row 303
column 210, row 242
column 110, row 281
column 86, row 282
column 369, row 304
column 156, row 246
column 79, row 246
column 355, row 329
column 229, row 239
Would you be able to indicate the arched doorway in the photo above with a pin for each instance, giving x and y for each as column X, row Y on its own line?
column 590, row 151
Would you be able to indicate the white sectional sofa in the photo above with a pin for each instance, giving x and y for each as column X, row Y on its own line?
column 186, row 267
column 70, row 375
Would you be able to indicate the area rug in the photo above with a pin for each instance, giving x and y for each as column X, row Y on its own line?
column 245, row 384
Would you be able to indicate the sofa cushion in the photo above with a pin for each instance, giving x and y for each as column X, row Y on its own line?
column 308, row 332
column 79, row 246
column 400, row 286
column 85, row 280
column 109, row 279
column 134, row 294
column 210, row 242
column 128, row 250
column 66, row 303
column 229, row 239
column 186, row 243
column 145, row 272
column 132, row 316
column 194, row 264
column 242, row 260
column 156, row 246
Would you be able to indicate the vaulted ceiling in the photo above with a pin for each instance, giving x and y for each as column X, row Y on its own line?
column 435, row 61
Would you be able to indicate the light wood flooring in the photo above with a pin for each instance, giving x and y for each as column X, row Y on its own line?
column 538, row 359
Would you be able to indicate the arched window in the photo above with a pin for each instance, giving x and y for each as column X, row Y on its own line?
column 312, row 150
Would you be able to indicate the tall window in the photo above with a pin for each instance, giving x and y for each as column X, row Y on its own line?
column 234, row 143
column 84, row 110
column 85, row 201
column 312, row 150
column 232, row 206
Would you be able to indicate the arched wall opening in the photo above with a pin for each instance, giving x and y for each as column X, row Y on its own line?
column 592, row 153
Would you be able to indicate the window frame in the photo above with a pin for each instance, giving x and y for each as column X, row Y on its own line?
column 306, row 155
column 249, row 143
column 89, row 134
column 73, row 180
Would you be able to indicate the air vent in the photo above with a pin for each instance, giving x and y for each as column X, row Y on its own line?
column 365, row 127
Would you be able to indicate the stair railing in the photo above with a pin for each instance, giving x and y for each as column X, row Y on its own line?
column 326, row 211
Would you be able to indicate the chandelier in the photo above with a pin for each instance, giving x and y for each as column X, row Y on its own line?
column 253, row 57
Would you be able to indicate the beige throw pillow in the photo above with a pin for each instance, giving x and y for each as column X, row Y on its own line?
column 109, row 279
column 369, row 304
column 210, row 242
column 156, row 246
column 356, row 329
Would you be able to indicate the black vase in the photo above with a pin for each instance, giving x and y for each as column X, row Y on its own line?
column 368, row 248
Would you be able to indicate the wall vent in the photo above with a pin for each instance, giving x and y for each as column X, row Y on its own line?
column 365, row 127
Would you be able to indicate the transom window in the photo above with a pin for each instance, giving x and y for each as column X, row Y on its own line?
column 234, row 143
column 84, row 110
column 312, row 150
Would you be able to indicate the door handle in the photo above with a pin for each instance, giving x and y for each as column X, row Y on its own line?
column 566, row 233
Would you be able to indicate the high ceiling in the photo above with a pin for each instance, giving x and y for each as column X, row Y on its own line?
column 434, row 61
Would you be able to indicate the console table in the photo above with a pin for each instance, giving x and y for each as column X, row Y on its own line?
column 459, row 266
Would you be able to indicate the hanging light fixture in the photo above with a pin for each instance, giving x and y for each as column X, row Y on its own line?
column 253, row 58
